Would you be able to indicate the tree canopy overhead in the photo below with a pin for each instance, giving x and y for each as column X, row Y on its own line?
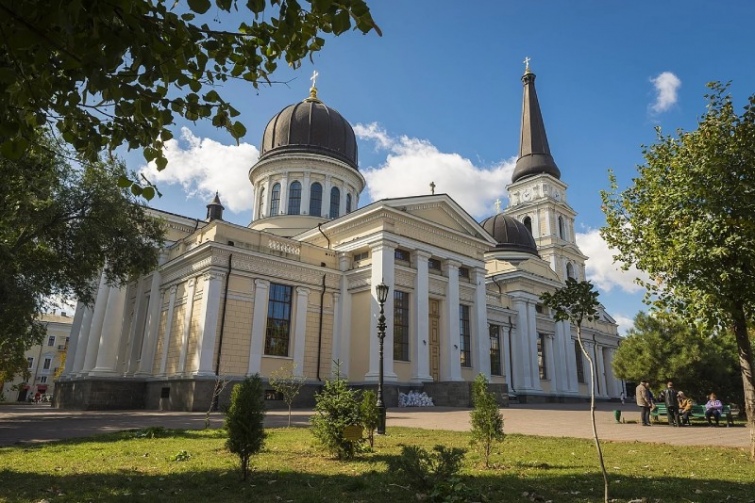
column 687, row 220
column 106, row 74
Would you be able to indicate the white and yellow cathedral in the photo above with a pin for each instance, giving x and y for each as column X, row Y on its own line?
column 296, row 288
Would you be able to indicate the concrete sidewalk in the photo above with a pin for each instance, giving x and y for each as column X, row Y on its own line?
column 41, row 423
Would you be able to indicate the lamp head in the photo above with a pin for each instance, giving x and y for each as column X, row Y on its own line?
column 382, row 292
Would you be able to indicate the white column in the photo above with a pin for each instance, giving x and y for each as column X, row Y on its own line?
column 508, row 330
column 112, row 327
column 300, row 328
column 590, row 348
column 82, row 337
column 326, row 197
column 613, row 384
column 571, row 358
column 188, row 313
column 532, row 346
column 521, row 363
column 601, row 369
column 259, row 323
column 204, row 361
column 305, row 193
column 383, row 256
column 152, row 326
column 480, row 332
column 95, row 329
column 168, row 329
column 450, row 347
column 136, row 330
column 335, row 347
column 343, row 351
column 73, row 342
column 283, row 206
column 420, row 349
column 342, row 203
column 550, row 361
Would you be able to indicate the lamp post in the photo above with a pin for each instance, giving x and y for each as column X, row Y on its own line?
column 382, row 295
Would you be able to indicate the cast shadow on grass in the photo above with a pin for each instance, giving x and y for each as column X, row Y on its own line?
column 195, row 483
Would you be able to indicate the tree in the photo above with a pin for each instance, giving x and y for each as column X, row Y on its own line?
column 370, row 414
column 287, row 383
column 577, row 302
column 687, row 222
column 487, row 422
column 336, row 407
column 662, row 347
column 60, row 226
column 244, row 421
column 105, row 74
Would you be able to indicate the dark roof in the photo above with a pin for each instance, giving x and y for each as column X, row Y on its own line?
column 310, row 126
column 534, row 154
column 510, row 234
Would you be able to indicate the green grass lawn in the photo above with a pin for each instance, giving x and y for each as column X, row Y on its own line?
column 187, row 466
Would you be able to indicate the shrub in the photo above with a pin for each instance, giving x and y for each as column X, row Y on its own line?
column 244, row 421
column 336, row 408
column 430, row 471
column 370, row 415
column 287, row 383
column 487, row 422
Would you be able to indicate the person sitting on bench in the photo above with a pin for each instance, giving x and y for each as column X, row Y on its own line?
column 713, row 409
column 685, row 408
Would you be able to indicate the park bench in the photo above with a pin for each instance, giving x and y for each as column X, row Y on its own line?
column 698, row 412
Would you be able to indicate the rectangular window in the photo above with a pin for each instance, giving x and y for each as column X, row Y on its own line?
column 361, row 256
column 465, row 336
column 278, row 320
column 51, row 340
column 495, row 350
column 402, row 255
column 433, row 264
column 400, row 326
column 30, row 360
column 464, row 272
column 541, row 356
column 43, row 379
column 580, row 363
column 47, row 363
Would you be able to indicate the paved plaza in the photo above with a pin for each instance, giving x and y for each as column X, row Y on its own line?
column 40, row 423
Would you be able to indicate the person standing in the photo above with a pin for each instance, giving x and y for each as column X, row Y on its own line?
column 642, row 395
column 671, row 397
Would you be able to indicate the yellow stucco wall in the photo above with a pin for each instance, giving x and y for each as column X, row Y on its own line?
column 359, row 348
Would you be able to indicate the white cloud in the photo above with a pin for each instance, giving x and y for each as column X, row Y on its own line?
column 666, row 85
column 202, row 166
column 601, row 268
column 413, row 163
column 624, row 322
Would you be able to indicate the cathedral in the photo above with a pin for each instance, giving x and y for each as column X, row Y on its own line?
column 295, row 290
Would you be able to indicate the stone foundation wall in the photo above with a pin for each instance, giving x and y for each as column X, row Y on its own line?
column 100, row 394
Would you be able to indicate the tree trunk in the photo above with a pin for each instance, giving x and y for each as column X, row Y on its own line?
column 744, row 348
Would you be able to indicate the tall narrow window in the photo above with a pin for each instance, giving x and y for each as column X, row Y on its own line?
column 348, row 203
column 275, row 200
column 561, row 227
column 400, row 326
column 335, row 202
column 315, row 200
column 541, row 356
column 580, row 363
column 51, row 340
column 528, row 223
column 30, row 361
column 465, row 337
column 278, row 320
column 570, row 271
column 495, row 350
column 261, row 203
column 47, row 363
column 294, row 199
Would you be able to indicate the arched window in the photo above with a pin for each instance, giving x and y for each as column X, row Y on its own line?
column 348, row 203
column 570, row 271
column 335, row 202
column 261, row 203
column 315, row 200
column 294, row 199
column 528, row 223
column 561, row 227
column 275, row 200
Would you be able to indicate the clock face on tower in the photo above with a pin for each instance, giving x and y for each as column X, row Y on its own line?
column 557, row 195
column 527, row 195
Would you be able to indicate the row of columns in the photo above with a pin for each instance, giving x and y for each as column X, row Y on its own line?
column 306, row 182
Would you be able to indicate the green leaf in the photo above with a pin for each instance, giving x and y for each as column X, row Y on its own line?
column 124, row 181
column 199, row 6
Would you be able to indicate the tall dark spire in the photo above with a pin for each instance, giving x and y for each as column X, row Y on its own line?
column 215, row 209
column 534, row 154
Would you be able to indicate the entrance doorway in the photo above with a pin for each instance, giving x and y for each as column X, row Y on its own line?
column 434, row 324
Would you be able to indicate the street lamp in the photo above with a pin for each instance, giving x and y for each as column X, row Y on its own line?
column 382, row 295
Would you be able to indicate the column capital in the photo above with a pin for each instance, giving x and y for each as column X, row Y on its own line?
column 262, row 283
column 302, row 290
column 453, row 263
column 422, row 255
column 379, row 245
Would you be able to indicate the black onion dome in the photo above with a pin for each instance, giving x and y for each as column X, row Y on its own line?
column 510, row 234
column 312, row 127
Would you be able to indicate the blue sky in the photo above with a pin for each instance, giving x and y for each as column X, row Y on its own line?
column 438, row 98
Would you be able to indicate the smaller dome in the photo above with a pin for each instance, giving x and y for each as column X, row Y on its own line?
column 510, row 234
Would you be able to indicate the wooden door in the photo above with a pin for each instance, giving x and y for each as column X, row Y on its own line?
column 434, row 324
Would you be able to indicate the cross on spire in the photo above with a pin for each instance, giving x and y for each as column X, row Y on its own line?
column 527, row 64
column 432, row 187
column 313, row 78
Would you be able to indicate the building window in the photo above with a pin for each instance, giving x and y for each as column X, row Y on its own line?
column 495, row 350
column 51, row 340
column 433, row 264
column 335, row 202
column 361, row 256
column 400, row 326
column 275, row 200
column 580, row 363
column 465, row 337
column 278, row 320
column 464, row 272
column 528, row 223
column 43, row 379
column 570, row 271
column 541, row 356
column 315, row 200
column 294, row 199
column 348, row 203
column 30, row 361
column 47, row 363
column 402, row 255
column 261, row 203
column 561, row 233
